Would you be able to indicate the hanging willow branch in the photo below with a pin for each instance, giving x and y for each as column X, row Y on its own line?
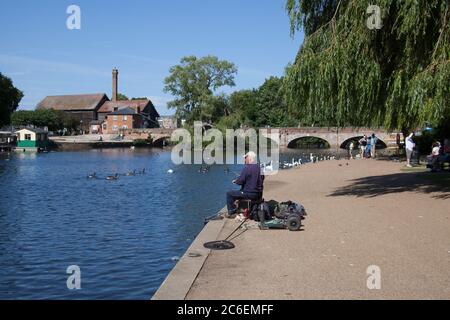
column 346, row 74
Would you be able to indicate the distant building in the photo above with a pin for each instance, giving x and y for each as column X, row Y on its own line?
column 83, row 107
column 32, row 139
column 90, row 109
column 143, row 107
column 169, row 122
column 122, row 119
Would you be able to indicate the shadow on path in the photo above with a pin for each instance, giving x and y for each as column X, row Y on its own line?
column 370, row 187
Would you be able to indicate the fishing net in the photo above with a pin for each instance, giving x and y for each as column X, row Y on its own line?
column 219, row 245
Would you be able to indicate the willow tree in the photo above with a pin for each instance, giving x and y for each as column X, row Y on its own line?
column 345, row 73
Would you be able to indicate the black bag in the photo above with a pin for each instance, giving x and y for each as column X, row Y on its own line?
column 261, row 212
column 285, row 209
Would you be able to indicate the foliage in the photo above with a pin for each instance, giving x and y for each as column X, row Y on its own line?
column 262, row 107
column 122, row 97
column 10, row 98
column 194, row 82
column 425, row 141
column 346, row 74
column 50, row 118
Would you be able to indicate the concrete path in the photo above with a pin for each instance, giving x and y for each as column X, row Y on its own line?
column 361, row 214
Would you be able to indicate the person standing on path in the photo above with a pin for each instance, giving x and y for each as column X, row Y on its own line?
column 374, row 145
column 351, row 146
column 409, row 145
column 368, row 150
column 362, row 146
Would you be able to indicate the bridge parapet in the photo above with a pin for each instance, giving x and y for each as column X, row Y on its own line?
column 335, row 137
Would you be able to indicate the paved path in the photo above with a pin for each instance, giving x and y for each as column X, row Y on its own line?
column 366, row 213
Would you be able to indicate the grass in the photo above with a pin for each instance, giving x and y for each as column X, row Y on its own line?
column 421, row 168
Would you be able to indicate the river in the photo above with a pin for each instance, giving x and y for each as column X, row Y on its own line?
column 124, row 235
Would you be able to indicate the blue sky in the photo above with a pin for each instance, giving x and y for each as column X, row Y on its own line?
column 143, row 39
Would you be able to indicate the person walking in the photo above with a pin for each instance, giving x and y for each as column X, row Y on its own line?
column 351, row 146
column 362, row 146
column 374, row 145
column 369, row 147
column 409, row 146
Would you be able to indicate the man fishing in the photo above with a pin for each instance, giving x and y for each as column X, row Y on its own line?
column 251, row 181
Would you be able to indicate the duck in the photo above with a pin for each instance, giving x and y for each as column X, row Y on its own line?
column 170, row 171
column 92, row 176
column 114, row 177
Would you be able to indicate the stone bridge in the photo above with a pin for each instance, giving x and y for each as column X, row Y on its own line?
column 158, row 135
column 335, row 137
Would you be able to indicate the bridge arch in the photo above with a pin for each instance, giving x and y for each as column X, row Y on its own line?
column 344, row 145
column 159, row 141
column 314, row 142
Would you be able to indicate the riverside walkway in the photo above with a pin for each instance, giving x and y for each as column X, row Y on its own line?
column 366, row 213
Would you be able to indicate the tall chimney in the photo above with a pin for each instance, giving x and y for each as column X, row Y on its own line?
column 115, row 83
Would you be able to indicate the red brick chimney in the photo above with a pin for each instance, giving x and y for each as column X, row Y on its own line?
column 115, row 84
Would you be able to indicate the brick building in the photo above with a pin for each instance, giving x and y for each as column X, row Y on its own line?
column 122, row 119
column 91, row 110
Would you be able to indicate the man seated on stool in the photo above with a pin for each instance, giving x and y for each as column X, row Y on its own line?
column 251, row 181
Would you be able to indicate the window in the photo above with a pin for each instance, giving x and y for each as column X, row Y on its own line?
column 28, row 137
column 115, row 128
column 125, row 127
column 115, row 118
column 124, row 118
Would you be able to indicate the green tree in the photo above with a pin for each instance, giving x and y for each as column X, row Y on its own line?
column 10, row 98
column 50, row 118
column 346, row 74
column 265, row 106
column 271, row 105
column 194, row 82
column 243, row 107
column 22, row 118
column 121, row 97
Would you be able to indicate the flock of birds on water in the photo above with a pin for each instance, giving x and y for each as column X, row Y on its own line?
column 266, row 167
column 116, row 176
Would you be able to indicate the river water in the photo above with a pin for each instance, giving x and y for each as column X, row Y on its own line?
column 124, row 235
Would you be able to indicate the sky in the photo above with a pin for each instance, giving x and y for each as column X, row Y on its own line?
column 143, row 39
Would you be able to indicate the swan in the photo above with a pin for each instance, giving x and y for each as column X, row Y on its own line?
column 170, row 171
column 131, row 173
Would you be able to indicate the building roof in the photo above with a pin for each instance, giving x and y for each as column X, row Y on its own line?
column 86, row 102
column 96, row 122
column 109, row 106
column 35, row 130
column 124, row 111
